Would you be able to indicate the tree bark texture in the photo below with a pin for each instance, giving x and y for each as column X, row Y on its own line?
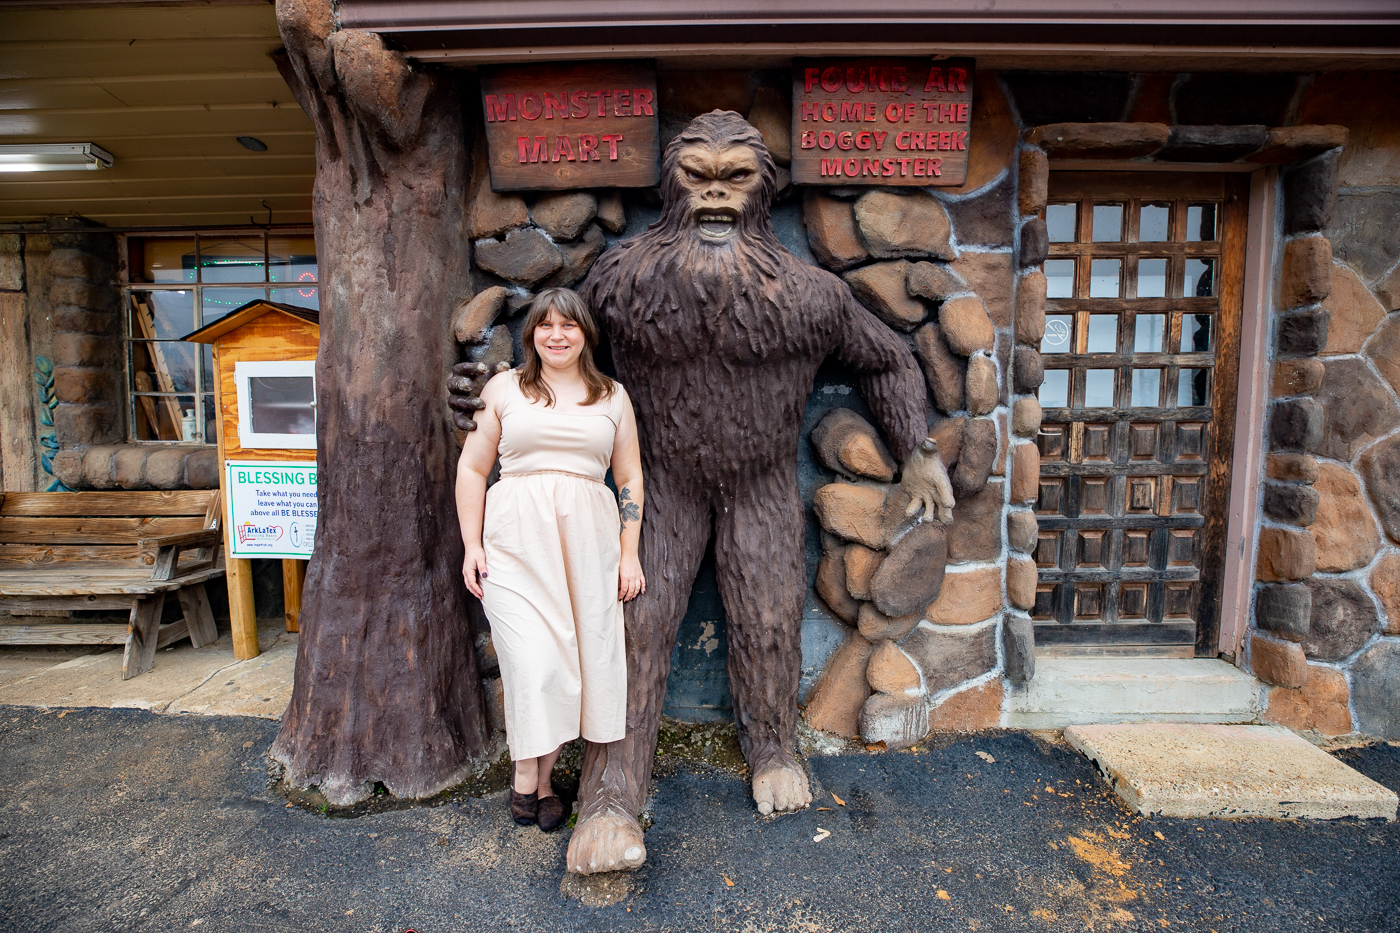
column 387, row 688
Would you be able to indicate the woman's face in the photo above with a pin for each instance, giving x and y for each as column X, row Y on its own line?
column 559, row 341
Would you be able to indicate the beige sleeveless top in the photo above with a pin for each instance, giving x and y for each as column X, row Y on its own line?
column 535, row 438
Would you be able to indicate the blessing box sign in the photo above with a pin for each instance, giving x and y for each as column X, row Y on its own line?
column 881, row 121
column 583, row 125
column 271, row 508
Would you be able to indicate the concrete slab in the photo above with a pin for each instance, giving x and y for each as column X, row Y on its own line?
column 261, row 687
column 96, row 679
column 1228, row 771
column 21, row 662
column 1074, row 691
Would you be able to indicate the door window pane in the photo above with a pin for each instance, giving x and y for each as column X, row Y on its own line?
column 1200, row 279
column 165, row 418
column 1104, row 275
column 1195, row 333
column 1054, row 391
column 1103, row 334
column 1058, row 330
column 1098, row 388
column 161, row 259
column 1148, row 333
column 283, row 404
column 1152, row 278
column 162, row 315
column 1192, row 387
column 1108, row 223
column 1200, row 223
column 1152, row 223
column 291, row 259
column 303, row 296
column 1060, row 222
column 162, row 366
column 1059, row 278
column 1147, row 384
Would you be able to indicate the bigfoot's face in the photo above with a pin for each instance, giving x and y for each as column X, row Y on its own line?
column 719, row 184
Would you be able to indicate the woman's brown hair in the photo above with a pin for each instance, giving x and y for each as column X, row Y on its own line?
column 568, row 305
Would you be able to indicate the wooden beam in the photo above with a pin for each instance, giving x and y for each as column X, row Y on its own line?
column 293, row 580
column 64, row 634
column 19, row 456
column 142, row 636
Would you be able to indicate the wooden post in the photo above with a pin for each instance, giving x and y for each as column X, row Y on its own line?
column 293, row 576
column 238, row 573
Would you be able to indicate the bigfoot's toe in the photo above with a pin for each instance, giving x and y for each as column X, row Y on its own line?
column 781, row 787
column 606, row 841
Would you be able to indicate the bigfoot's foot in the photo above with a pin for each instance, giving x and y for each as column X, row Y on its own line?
column 780, row 783
column 609, row 840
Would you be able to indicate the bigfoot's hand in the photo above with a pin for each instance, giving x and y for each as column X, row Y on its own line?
column 463, row 389
column 926, row 482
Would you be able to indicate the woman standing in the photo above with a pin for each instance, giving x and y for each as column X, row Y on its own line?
column 544, row 553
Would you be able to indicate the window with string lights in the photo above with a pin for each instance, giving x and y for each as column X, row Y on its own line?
column 175, row 284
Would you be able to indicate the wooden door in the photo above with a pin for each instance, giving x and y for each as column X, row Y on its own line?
column 1141, row 355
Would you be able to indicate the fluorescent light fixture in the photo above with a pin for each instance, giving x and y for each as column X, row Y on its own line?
column 53, row 157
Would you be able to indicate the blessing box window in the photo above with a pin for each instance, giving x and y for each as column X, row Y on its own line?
column 276, row 404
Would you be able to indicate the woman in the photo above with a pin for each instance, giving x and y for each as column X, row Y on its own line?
column 544, row 553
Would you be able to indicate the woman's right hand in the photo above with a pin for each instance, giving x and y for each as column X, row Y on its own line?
column 474, row 569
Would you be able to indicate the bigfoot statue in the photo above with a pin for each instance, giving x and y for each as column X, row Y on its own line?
column 717, row 332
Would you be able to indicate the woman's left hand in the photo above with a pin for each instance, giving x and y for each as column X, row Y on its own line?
column 631, row 582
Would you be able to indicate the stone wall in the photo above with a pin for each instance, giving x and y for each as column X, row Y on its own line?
column 1327, row 607
column 72, row 303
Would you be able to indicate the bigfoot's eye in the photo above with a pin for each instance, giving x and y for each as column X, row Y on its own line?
column 694, row 176
column 739, row 175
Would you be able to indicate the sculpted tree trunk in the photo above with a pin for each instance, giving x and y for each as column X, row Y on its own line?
column 387, row 687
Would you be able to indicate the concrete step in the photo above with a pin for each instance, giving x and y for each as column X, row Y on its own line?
column 1191, row 771
column 1077, row 691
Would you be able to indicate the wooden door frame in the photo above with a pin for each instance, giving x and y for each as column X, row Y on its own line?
column 1234, row 497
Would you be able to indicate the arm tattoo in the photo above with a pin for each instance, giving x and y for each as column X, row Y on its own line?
column 629, row 510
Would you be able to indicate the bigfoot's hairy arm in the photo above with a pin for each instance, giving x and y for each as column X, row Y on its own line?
column 893, row 387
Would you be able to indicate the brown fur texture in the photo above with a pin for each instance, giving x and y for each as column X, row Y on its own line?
column 718, row 344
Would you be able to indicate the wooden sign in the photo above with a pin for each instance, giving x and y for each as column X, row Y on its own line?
column 584, row 125
column 881, row 121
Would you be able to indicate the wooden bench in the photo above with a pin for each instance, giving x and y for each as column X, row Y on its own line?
column 110, row 550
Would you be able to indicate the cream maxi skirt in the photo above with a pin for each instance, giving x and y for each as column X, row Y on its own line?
column 552, row 555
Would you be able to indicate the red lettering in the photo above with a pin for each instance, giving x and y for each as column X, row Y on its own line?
column 578, row 104
column 933, row 167
column 935, row 80
column 919, row 167
column 945, row 113
column 642, row 99
column 871, row 110
column 889, row 166
column 945, row 140
column 556, row 106
column 897, row 80
column 880, row 138
column 851, row 110
column 959, row 140
column 916, row 141
column 826, row 139
column 809, row 139
column 901, row 136
column 530, row 152
column 588, row 148
column 892, row 112
column 598, row 96
column 831, row 167
column 903, row 167
column 863, row 139
column 612, row 139
column 500, row 109
column 622, row 103
column 870, row 167
column 844, row 140
column 831, row 79
column 810, row 77
column 957, row 79
column 908, row 111
column 962, row 113
column 884, row 78
column 855, row 80
column 930, row 108
column 828, row 111
column 562, row 146
column 853, row 167
column 529, row 102
column 809, row 111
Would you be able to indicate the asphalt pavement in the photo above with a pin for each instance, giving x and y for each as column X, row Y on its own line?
column 115, row 820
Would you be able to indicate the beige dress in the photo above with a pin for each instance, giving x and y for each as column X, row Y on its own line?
column 552, row 552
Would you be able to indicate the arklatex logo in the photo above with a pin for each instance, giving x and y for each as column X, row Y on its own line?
column 248, row 533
